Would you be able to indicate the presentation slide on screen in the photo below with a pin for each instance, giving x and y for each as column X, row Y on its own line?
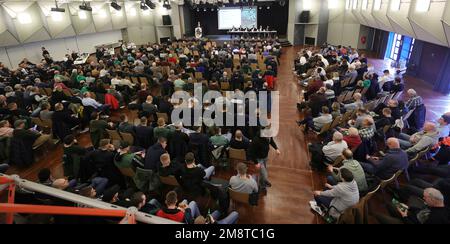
column 245, row 17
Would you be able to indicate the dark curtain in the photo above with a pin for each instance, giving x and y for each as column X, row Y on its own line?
column 442, row 83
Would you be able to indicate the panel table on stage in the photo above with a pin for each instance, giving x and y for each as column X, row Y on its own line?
column 264, row 34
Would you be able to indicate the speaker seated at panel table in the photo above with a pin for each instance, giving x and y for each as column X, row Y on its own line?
column 167, row 20
column 304, row 17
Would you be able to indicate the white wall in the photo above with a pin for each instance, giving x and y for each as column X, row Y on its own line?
column 343, row 28
column 58, row 47
column 73, row 34
column 4, row 57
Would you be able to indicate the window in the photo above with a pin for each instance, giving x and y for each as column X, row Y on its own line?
column 400, row 47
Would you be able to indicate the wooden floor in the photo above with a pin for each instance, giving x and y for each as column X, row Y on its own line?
column 293, row 181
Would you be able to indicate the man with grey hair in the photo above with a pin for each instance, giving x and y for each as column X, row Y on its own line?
column 358, row 103
column 335, row 148
column 420, row 140
column 414, row 100
column 434, row 211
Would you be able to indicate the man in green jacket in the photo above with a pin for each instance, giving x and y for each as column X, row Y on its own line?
column 124, row 158
column 97, row 129
column 354, row 167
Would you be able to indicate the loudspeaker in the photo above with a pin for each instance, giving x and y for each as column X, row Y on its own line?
column 167, row 20
column 304, row 17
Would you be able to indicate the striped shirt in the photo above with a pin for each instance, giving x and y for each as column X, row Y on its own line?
column 414, row 102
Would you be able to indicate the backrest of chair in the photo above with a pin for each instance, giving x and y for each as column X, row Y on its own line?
column 128, row 138
column 413, row 160
column 128, row 172
column 387, row 182
column 143, row 80
column 47, row 123
column 348, row 96
column 369, row 195
column 198, row 75
column 336, row 122
column 238, row 196
column 325, row 128
column 169, row 180
column 237, row 154
column 370, row 105
column 114, row 135
column 338, row 161
column 135, row 80
column 225, row 86
column 422, row 153
column 48, row 91
column 37, row 121
column 346, row 117
column 410, row 112
column 341, row 97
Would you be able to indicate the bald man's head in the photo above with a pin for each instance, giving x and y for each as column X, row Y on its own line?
column 393, row 143
column 429, row 127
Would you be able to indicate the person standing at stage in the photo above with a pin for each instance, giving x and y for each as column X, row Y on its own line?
column 198, row 31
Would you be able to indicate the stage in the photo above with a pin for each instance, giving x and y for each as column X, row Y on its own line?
column 227, row 38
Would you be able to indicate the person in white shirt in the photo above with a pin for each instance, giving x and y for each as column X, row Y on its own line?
column 116, row 80
column 323, row 119
column 242, row 182
column 385, row 78
column 89, row 101
column 443, row 126
column 103, row 71
column 126, row 82
column 335, row 148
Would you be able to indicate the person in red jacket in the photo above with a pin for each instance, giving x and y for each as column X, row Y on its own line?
column 182, row 213
column 353, row 139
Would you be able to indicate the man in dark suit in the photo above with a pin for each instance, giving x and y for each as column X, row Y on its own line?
column 152, row 157
column 63, row 122
column 199, row 144
column 144, row 134
column 179, row 145
column 396, row 159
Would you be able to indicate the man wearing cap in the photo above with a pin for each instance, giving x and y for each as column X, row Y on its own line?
column 111, row 195
column 124, row 157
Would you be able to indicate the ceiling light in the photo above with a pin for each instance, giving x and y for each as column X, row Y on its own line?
column 423, row 5
column 57, row 16
column 102, row 13
column 364, row 4
column 355, row 4
column 307, row 5
column 132, row 12
column 395, row 5
column 24, row 18
column 377, row 5
column 82, row 15
column 333, row 4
